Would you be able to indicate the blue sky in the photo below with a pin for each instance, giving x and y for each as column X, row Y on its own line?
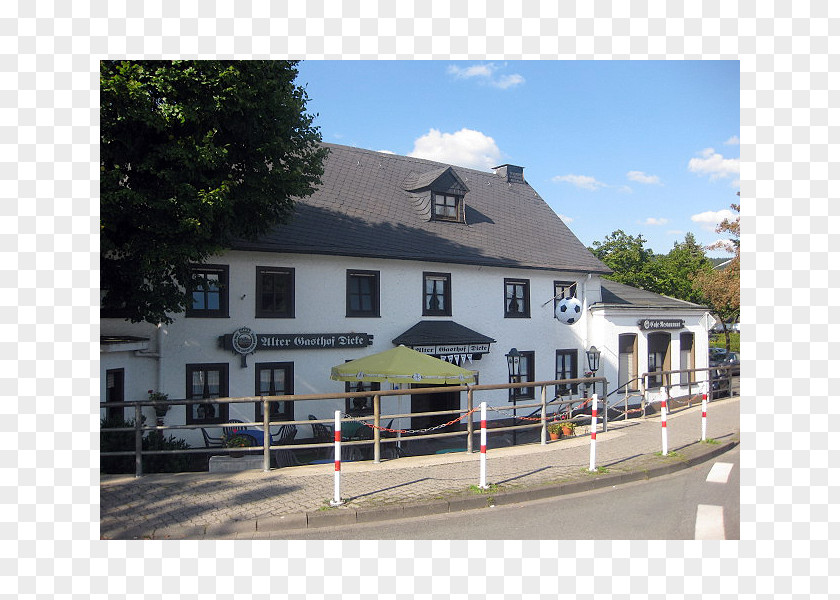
column 649, row 147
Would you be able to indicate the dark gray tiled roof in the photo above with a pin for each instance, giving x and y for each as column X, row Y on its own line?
column 440, row 332
column 615, row 294
column 363, row 209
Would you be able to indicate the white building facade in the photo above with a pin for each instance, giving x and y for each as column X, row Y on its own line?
column 457, row 263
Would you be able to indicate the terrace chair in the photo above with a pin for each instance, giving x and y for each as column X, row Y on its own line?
column 284, row 457
column 361, row 452
column 210, row 441
column 322, row 435
column 389, row 450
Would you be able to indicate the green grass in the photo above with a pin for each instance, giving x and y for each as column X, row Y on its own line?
column 597, row 471
column 490, row 488
column 672, row 455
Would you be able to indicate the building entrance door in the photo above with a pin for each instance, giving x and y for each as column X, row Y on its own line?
column 434, row 402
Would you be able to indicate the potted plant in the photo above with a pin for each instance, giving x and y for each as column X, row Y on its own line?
column 555, row 430
column 568, row 427
column 161, row 407
column 237, row 441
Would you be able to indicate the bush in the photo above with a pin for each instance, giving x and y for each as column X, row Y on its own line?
column 718, row 340
column 121, row 441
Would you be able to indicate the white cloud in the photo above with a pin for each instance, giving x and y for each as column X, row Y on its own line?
column 641, row 177
column 564, row 218
column 486, row 73
column 582, row 181
column 714, row 165
column 485, row 70
column 733, row 141
column 506, row 81
column 385, row 151
column 675, row 232
column 465, row 148
column 655, row 221
column 710, row 219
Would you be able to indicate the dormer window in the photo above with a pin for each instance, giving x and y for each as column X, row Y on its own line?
column 448, row 207
column 439, row 194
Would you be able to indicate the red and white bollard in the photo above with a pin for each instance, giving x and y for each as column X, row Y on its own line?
column 592, row 433
column 663, row 397
column 337, row 501
column 703, row 420
column 483, row 457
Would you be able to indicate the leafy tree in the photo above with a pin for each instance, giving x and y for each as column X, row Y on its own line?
column 722, row 287
column 680, row 267
column 193, row 155
column 626, row 256
column 671, row 274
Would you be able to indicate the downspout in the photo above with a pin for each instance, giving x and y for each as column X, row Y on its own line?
column 156, row 355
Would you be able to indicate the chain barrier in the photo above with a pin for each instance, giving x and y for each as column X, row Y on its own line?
column 426, row 430
column 583, row 402
column 362, row 421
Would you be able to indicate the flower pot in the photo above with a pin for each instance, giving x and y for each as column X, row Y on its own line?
column 554, row 435
column 567, row 431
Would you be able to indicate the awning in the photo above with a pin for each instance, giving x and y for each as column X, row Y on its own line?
column 122, row 343
column 401, row 365
column 447, row 340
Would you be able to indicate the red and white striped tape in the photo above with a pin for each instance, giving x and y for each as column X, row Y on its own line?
column 703, row 420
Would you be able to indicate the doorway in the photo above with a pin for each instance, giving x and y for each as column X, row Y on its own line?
column 659, row 358
column 115, row 392
column 431, row 403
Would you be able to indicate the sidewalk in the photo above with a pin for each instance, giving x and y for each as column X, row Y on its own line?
column 255, row 504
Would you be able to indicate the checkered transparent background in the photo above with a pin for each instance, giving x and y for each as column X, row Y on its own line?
column 49, row 380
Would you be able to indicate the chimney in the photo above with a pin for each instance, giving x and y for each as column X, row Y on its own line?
column 511, row 173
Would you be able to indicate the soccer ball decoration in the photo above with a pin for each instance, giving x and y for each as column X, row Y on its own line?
column 568, row 310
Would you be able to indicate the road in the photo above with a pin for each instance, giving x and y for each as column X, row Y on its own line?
column 702, row 502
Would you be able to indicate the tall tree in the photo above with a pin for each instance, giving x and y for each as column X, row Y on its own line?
column 671, row 274
column 680, row 267
column 722, row 287
column 194, row 154
column 626, row 256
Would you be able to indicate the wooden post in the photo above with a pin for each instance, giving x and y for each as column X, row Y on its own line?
column 470, row 426
column 377, row 450
column 266, row 438
column 138, row 441
column 543, row 436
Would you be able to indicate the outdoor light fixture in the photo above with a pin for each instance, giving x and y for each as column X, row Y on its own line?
column 514, row 361
column 593, row 357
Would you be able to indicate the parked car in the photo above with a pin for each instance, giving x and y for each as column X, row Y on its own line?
column 720, row 387
column 716, row 355
column 732, row 359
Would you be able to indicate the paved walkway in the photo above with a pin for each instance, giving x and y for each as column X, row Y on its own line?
column 256, row 504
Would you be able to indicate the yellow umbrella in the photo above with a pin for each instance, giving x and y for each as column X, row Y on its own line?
column 402, row 365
